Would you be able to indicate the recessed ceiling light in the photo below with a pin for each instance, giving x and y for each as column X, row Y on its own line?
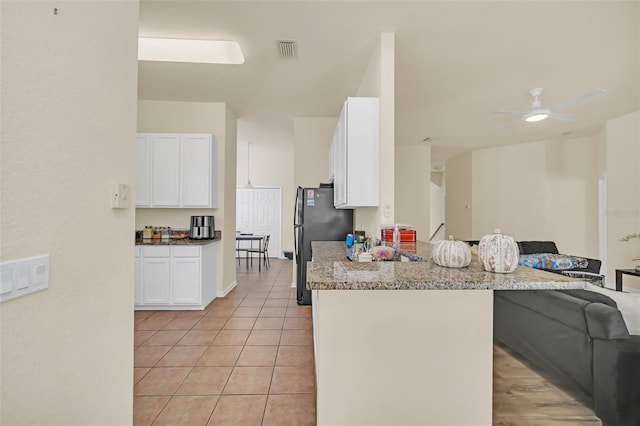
column 187, row 50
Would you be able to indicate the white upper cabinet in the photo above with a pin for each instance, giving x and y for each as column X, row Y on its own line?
column 198, row 154
column 176, row 170
column 165, row 171
column 355, row 154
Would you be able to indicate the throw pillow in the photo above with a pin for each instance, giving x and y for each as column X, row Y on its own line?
column 552, row 262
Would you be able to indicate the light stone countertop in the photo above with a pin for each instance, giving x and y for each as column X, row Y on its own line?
column 180, row 242
column 330, row 270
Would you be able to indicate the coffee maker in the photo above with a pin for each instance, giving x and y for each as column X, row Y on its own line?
column 202, row 227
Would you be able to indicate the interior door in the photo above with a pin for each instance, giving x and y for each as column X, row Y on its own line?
column 266, row 219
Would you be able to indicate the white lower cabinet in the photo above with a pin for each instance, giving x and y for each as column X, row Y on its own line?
column 156, row 284
column 175, row 277
column 185, row 280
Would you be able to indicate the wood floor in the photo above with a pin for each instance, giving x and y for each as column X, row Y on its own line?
column 523, row 396
column 248, row 360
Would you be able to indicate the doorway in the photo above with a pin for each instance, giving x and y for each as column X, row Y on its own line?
column 259, row 212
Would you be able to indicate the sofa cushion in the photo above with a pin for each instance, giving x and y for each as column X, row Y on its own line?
column 531, row 247
column 553, row 304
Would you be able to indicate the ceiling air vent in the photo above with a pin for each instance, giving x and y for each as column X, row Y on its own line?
column 287, row 48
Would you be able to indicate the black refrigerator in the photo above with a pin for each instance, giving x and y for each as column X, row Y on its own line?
column 315, row 219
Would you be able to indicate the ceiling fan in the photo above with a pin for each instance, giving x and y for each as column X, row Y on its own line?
column 538, row 113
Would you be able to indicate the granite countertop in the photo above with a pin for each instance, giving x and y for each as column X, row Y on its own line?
column 179, row 242
column 331, row 271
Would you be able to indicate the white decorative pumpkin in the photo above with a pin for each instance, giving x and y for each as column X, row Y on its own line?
column 498, row 253
column 451, row 253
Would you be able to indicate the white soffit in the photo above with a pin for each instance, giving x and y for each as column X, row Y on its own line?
column 187, row 50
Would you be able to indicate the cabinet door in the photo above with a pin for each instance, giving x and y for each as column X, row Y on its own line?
column 185, row 283
column 143, row 158
column 197, row 159
column 156, row 284
column 165, row 171
column 340, row 184
column 363, row 152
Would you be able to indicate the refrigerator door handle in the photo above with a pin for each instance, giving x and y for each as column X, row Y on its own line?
column 297, row 230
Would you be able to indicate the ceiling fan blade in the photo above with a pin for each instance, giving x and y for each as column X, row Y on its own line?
column 563, row 117
column 505, row 126
column 581, row 98
column 499, row 111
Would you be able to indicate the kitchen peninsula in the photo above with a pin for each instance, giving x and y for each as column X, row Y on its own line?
column 175, row 274
column 407, row 343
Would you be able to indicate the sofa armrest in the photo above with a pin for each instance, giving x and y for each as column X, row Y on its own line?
column 616, row 380
column 605, row 322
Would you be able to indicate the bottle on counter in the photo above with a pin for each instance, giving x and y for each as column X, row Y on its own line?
column 147, row 233
column 396, row 235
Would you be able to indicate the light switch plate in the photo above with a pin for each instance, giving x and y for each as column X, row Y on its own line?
column 24, row 276
column 119, row 193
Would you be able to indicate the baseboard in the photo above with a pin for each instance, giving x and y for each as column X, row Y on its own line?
column 228, row 289
column 293, row 284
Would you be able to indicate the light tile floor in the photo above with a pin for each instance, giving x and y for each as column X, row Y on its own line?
column 248, row 360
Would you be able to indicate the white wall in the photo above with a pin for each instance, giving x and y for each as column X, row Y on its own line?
column 571, row 194
column 623, row 194
column 198, row 117
column 228, row 152
column 69, row 87
column 379, row 81
column 312, row 141
column 545, row 190
column 508, row 191
column 413, row 188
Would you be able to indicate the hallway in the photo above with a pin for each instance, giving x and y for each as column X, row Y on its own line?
column 245, row 360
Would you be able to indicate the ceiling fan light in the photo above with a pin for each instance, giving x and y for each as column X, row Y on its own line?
column 532, row 118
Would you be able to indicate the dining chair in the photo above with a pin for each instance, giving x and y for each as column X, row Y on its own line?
column 263, row 251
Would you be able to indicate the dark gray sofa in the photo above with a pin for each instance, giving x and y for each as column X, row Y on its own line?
column 579, row 336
